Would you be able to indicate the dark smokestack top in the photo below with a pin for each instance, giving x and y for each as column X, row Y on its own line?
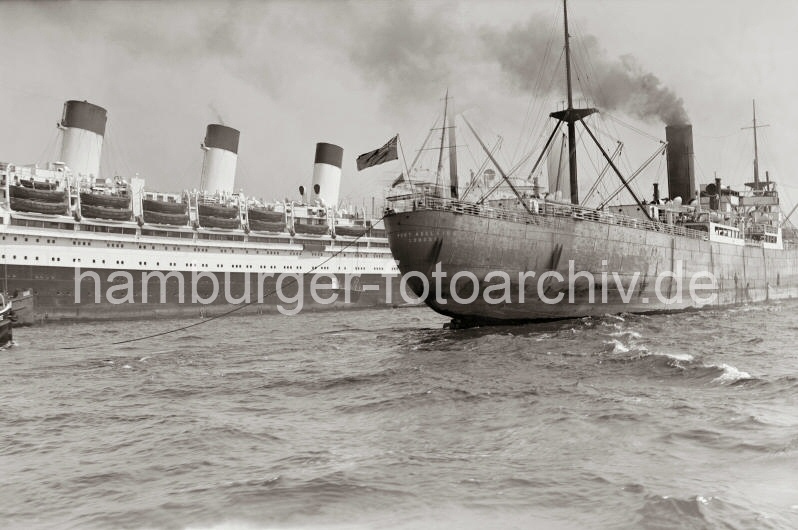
column 222, row 137
column 84, row 115
column 679, row 129
column 681, row 171
column 329, row 154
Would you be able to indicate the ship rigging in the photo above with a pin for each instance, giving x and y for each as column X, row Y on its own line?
column 732, row 237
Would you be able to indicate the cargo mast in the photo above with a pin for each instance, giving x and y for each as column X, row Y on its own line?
column 571, row 129
column 757, row 183
column 571, row 115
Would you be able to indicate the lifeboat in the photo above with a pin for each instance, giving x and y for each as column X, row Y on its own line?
column 351, row 230
column 162, row 218
column 211, row 221
column 150, row 205
column 30, row 205
column 266, row 226
column 217, row 210
column 30, row 183
column 104, row 212
column 262, row 214
column 311, row 229
column 35, row 194
column 104, row 199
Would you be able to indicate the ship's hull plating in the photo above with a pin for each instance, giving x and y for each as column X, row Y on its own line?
column 6, row 332
column 420, row 240
column 66, row 293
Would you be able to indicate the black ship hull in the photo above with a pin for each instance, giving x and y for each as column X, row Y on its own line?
column 58, row 295
column 458, row 242
column 6, row 332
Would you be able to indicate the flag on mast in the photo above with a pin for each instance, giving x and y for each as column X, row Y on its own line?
column 386, row 153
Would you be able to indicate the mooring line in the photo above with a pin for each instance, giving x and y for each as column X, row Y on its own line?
column 231, row 311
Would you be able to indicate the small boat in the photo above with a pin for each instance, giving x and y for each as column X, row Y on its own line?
column 266, row 226
column 30, row 183
column 7, row 319
column 351, row 230
column 211, row 221
column 24, row 192
column 22, row 303
column 151, row 205
column 165, row 218
column 103, row 212
column 105, row 200
column 217, row 210
column 302, row 228
column 31, row 205
column 262, row 214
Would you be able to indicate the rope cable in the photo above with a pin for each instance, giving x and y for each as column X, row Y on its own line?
column 226, row 313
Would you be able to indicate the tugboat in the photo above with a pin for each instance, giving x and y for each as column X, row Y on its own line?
column 22, row 303
column 6, row 321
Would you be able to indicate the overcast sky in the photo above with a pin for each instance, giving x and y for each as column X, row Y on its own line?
column 290, row 74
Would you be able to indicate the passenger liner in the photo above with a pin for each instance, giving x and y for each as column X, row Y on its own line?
column 499, row 260
column 92, row 247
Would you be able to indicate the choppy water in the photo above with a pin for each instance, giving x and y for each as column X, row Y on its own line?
column 382, row 419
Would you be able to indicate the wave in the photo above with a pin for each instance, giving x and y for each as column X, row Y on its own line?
column 684, row 363
column 627, row 333
column 730, row 374
column 699, row 511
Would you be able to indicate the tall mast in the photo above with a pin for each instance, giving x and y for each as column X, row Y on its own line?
column 757, row 183
column 756, row 149
column 571, row 129
column 453, row 184
column 443, row 137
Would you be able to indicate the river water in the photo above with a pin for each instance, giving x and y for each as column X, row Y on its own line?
column 383, row 419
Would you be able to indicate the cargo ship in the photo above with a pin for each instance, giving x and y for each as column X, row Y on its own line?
column 525, row 255
column 91, row 247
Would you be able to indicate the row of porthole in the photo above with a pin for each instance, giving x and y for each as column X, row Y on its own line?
column 26, row 239
column 48, row 241
column 121, row 245
column 144, row 263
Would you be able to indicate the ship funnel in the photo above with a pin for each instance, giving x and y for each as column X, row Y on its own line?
column 221, row 156
column 681, row 172
column 83, row 127
column 327, row 173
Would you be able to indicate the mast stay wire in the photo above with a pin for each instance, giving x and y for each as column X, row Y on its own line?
column 532, row 142
column 535, row 103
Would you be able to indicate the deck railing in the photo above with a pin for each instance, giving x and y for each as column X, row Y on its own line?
column 421, row 201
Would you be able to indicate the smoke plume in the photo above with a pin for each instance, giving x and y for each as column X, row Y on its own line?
column 612, row 84
column 412, row 53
